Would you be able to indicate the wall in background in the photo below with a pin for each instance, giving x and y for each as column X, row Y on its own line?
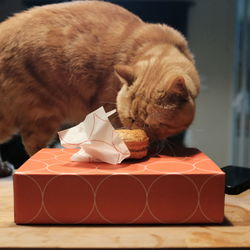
column 211, row 32
column 8, row 7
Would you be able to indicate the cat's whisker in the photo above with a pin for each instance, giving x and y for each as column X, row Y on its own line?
column 162, row 146
column 115, row 114
column 153, row 114
column 114, row 117
column 159, row 146
column 168, row 144
column 111, row 88
column 108, row 102
column 123, row 127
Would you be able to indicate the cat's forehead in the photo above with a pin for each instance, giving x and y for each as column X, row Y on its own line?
column 149, row 64
column 155, row 51
column 156, row 54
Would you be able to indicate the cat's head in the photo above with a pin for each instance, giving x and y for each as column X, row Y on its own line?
column 158, row 95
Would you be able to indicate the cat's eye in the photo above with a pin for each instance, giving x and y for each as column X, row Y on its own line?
column 131, row 119
column 160, row 91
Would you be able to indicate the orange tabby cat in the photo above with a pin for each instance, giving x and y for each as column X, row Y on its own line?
column 61, row 61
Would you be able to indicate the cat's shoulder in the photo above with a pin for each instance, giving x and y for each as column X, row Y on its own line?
column 75, row 8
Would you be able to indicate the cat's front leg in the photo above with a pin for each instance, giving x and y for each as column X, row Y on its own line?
column 38, row 134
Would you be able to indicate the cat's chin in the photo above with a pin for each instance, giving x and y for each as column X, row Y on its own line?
column 159, row 134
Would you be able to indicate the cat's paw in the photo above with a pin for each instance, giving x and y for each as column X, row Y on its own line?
column 6, row 169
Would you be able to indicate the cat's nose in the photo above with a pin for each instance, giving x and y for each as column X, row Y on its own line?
column 150, row 121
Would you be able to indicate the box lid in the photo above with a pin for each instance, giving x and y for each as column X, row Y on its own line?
column 51, row 161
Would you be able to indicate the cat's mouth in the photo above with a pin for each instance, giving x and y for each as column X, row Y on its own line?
column 159, row 132
column 163, row 132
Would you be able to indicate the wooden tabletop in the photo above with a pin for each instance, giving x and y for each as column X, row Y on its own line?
column 234, row 232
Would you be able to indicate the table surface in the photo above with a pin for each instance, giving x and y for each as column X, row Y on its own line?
column 233, row 232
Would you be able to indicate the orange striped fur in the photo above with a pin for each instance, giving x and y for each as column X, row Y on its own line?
column 59, row 62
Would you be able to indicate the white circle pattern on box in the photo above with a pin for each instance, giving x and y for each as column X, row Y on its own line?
column 169, row 167
column 206, row 199
column 30, row 188
column 121, row 199
column 181, row 209
column 54, row 199
column 71, row 183
column 36, row 166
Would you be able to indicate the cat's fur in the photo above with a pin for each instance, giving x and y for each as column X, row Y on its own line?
column 59, row 62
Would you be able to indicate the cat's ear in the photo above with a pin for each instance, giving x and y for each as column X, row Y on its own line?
column 125, row 73
column 178, row 86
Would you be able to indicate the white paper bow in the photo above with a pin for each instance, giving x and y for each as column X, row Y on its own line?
column 96, row 138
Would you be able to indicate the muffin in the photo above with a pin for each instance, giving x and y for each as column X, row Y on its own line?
column 136, row 140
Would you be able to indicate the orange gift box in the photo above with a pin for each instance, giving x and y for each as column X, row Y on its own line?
column 51, row 189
